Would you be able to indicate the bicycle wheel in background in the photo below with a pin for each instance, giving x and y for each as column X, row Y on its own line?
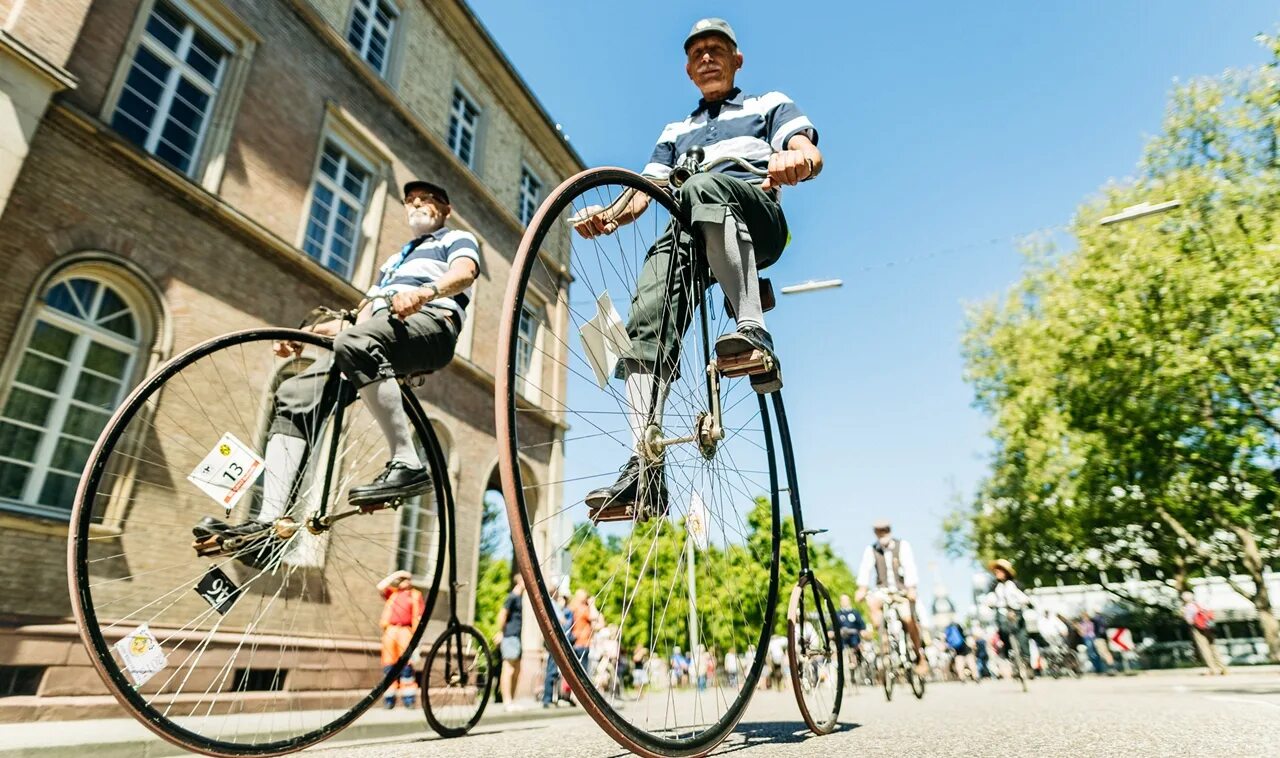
column 713, row 547
column 815, row 655
column 916, row 681
column 888, row 662
column 1019, row 666
column 274, row 652
column 458, row 677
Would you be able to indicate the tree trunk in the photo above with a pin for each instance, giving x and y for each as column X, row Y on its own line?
column 1253, row 565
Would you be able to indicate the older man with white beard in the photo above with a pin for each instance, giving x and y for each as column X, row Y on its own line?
column 407, row 323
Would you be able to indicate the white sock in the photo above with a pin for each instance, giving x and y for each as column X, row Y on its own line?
column 639, row 388
column 732, row 259
column 383, row 400
column 284, row 455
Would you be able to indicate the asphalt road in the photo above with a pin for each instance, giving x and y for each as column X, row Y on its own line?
column 1155, row 714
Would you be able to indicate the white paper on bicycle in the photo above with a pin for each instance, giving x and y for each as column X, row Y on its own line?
column 141, row 655
column 604, row 339
column 228, row 471
column 696, row 521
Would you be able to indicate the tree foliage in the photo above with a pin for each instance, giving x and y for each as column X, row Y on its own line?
column 1134, row 382
column 652, row 580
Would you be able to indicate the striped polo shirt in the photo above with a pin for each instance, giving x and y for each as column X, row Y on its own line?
column 424, row 260
column 751, row 127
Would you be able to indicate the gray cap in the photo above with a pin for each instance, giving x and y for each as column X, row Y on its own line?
column 710, row 26
column 882, row 523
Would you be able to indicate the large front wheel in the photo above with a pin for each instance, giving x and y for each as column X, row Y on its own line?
column 602, row 365
column 275, row 644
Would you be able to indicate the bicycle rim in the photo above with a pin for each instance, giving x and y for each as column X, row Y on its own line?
column 458, row 676
column 639, row 571
column 815, row 655
column 289, row 651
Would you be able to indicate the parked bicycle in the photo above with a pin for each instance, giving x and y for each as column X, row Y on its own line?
column 248, row 643
column 709, row 506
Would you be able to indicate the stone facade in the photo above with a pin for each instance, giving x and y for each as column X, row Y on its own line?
column 219, row 249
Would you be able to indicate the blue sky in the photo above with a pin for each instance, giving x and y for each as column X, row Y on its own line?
column 949, row 130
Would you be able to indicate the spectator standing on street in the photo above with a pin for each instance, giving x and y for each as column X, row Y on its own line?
column 1103, row 644
column 581, row 631
column 510, row 619
column 1200, row 620
column 402, row 609
column 551, row 680
column 731, row 667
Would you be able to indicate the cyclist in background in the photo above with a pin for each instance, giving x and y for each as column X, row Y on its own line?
column 1008, row 600
column 888, row 564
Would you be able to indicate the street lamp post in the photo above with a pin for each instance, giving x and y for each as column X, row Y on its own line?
column 812, row 286
column 1138, row 211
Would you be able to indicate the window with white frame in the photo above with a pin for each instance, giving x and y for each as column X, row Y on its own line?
column 530, row 194
column 168, row 95
column 373, row 25
column 73, row 372
column 528, row 359
column 338, row 197
column 418, row 542
column 464, row 125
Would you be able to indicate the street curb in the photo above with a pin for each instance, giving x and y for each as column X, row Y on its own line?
column 153, row 746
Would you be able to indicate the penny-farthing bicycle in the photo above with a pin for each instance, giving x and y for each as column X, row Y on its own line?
column 252, row 644
column 691, row 572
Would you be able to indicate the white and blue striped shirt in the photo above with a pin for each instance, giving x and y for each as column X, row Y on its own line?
column 424, row 260
column 751, row 127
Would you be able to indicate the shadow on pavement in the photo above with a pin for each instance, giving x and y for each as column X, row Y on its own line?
column 761, row 732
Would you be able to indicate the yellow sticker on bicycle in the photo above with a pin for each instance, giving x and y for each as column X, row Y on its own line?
column 141, row 655
column 228, row 471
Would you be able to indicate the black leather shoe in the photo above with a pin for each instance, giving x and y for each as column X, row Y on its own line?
column 253, row 543
column 643, row 486
column 396, row 482
column 745, row 340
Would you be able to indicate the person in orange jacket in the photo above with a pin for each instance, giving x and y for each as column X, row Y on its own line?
column 401, row 611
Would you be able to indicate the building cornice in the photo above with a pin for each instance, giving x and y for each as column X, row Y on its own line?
column 58, row 76
column 462, row 23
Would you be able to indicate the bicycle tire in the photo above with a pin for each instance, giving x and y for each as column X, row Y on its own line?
column 821, row 717
column 1019, row 668
column 143, row 405
column 458, row 722
column 887, row 662
column 684, row 737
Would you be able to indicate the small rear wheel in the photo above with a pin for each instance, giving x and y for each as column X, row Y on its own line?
column 814, row 652
column 458, row 678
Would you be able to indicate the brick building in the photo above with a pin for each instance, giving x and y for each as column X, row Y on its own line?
column 210, row 165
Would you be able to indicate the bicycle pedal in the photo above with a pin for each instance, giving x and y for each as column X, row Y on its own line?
column 207, row 546
column 393, row 504
column 746, row 364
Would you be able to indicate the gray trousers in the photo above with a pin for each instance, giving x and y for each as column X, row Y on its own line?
column 705, row 198
column 381, row 348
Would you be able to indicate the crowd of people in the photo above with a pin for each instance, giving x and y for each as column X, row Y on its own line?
column 977, row 648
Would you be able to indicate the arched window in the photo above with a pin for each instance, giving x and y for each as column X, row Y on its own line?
column 80, row 359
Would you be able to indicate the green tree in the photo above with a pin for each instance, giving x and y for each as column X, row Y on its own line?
column 1134, row 383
